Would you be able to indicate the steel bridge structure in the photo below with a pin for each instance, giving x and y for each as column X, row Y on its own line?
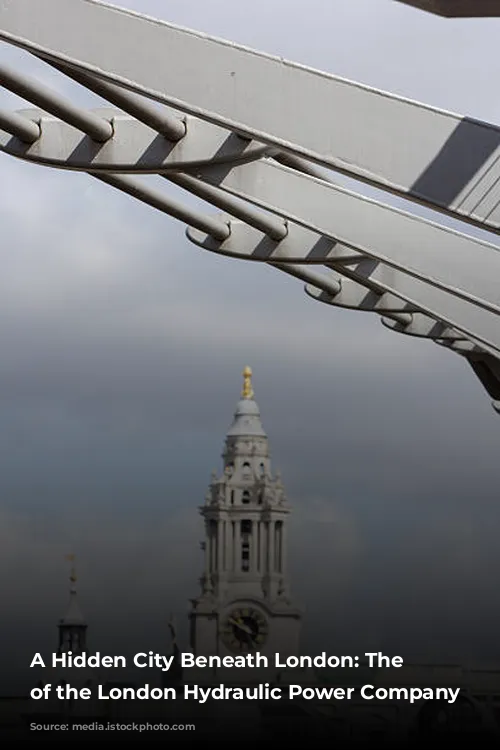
column 261, row 139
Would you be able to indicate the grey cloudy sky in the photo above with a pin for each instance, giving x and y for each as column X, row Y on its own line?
column 121, row 352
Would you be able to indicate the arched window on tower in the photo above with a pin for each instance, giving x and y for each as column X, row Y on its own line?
column 245, row 497
column 247, row 469
column 262, row 469
column 246, row 531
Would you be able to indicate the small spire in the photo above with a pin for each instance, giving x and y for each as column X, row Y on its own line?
column 72, row 575
column 247, row 391
column 173, row 632
column 73, row 617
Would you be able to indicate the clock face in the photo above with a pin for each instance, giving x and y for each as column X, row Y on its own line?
column 244, row 630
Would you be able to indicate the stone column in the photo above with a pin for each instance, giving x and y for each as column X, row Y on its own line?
column 283, row 548
column 213, row 548
column 228, row 536
column 207, row 550
column 220, row 545
column 270, row 546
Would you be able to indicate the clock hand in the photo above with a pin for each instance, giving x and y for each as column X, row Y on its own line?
column 240, row 625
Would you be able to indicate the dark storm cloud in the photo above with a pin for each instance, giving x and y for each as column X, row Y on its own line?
column 121, row 352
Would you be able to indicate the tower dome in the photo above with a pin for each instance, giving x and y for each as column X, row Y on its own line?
column 246, row 421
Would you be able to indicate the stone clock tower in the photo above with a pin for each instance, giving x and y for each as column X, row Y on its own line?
column 244, row 605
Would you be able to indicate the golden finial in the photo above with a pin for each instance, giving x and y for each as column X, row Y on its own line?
column 247, row 391
column 72, row 576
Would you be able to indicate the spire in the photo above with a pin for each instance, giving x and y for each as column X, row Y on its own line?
column 246, row 420
column 73, row 614
column 247, row 392
column 72, row 626
column 72, row 575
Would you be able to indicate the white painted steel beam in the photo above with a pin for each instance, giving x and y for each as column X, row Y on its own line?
column 474, row 321
column 421, row 326
column 241, row 108
column 172, row 127
column 217, row 229
column 454, row 161
column 134, row 148
column 464, row 266
column 344, row 292
column 27, row 131
column 98, row 129
column 275, row 228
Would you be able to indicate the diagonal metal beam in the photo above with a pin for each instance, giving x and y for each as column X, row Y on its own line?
column 425, row 280
column 421, row 326
column 135, row 148
column 217, row 229
column 275, row 228
column 476, row 322
column 26, row 130
column 364, row 285
column 453, row 163
column 171, row 127
column 95, row 127
column 359, row 289
column 344, row 292
column 464, row 266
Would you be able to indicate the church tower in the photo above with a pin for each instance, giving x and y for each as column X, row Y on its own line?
column 244, row 605
column 72, row 627
column 73, row 638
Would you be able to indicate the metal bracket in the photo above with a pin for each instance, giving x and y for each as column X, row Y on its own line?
column 134, row 148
